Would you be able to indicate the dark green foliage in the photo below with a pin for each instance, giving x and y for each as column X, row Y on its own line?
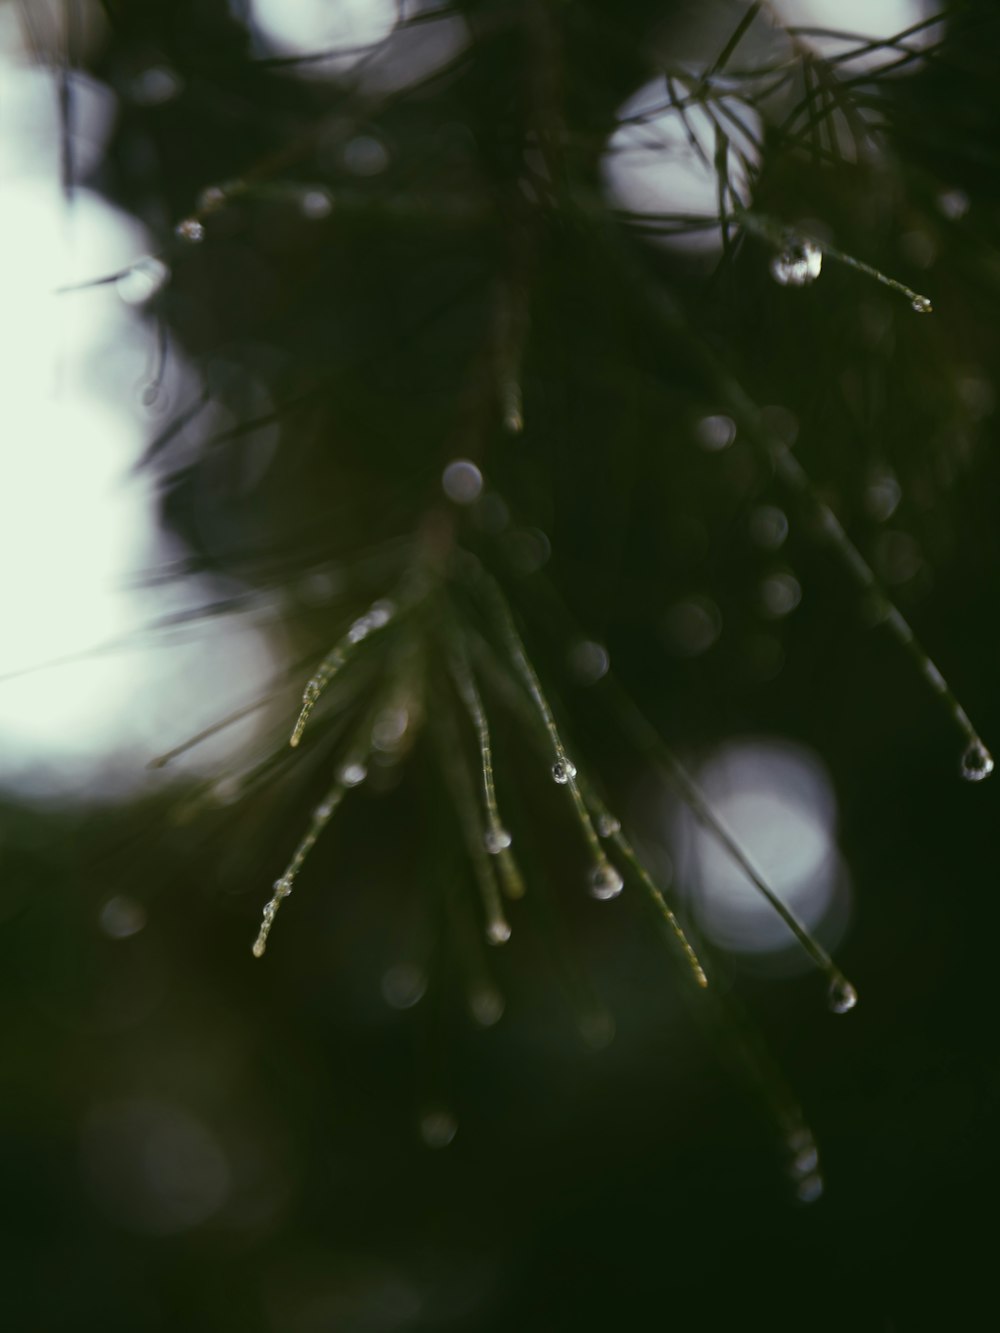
column 482, row 275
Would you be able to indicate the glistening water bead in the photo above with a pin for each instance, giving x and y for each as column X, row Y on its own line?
column 496, row 840
column 563, row 771
column 841, row 997
column 798, row 264
column 190, row 230
column 977, row 762
column 438, row 1128
column 605, row 882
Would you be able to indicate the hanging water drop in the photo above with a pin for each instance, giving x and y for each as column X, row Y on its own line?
column 922, row 305
column 190, row 230
column 353, row 774
column 841, row 997
column 121, row 917
column 977, row 762
column 438, row 1128
column 496, row 840
column 810, row 1188
column 389, row 729
column 211, row 199
column 486, row 1007
column 283, row 886
column 316, row 204
column 605, row 881
column 798, row 264
column 498, row 931
column 513, row 409
column 143, row 280
column 607, row 825
column 462, row 481
column 563, row 771
column 403, row 986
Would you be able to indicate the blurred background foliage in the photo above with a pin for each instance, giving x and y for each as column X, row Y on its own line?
column 360, row 268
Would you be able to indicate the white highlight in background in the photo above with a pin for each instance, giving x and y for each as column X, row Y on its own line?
column 75, row 526
column 661, row 164
column 777, row 800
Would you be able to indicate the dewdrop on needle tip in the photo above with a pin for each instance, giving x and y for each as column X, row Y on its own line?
column 606, row 881
column 977, row 762
column 798, row 264
column 841, row 997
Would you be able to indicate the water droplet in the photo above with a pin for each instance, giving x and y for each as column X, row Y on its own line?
column 258, row 947
column 977, row 762
column 780, row 594
column 211, row 199
column 438, row 1128
column 798, row 264
column 512, row 406
column 883, row 495
column 528, row 549
column 462, row 481
column 589, row 662
column 690, row 627
column 283, row 886
column 155, row 85
column 324, row 810
column 190, row 230
column 799, row 1136
column 142, row 281
column 365, row 155
column 954, row 204
column 316, row 204
column 563, row 771
column 608, row 825
column 922, row 305
column 498, row 931
column 605, row 881
column 768, row 527
column 841, row 997
column 389, row 728
column 496, row 840
column 716, row 433
column 403, row 986
column 486, row 1007
column 121, row 917
column 353, row 774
